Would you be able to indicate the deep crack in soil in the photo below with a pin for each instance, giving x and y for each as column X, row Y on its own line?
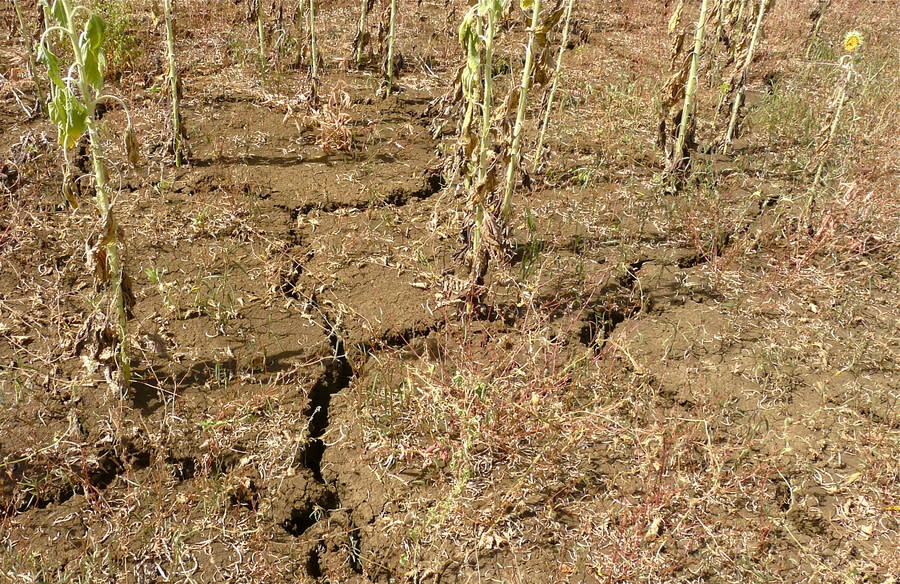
column 337, row 377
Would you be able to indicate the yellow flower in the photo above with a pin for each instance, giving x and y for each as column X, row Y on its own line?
column 852, row 41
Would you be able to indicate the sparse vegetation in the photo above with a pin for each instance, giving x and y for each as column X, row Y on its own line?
column 668, row 377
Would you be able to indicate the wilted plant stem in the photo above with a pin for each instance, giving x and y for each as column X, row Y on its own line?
column 67, row 111
column 545, row 122
column 820, row 17
column 25, row 31
column 392, row 29
column 742, row 6
column 175, row 84
column 313, row 44
column 298, row 19
column 110, row 241
column 360, row 46
column 745, row 68
column 825, row 146
column 484, row 143
column 690, row 90
column 261, row 36
column 487, row 95
column 724, row 9
column 524, row 87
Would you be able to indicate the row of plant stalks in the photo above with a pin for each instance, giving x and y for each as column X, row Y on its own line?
column 488, row 153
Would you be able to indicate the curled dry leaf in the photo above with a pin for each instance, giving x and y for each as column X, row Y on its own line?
column 132, row 146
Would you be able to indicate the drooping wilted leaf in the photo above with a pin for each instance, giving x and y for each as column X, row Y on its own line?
column 467, row 28
column 58, row 11
column 92, row 51
column 48, row 58
column 675, row 20
column 68, row 190
column 69, row 115
column 97, row 263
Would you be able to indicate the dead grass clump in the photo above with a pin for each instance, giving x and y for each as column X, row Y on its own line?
column 498, row 423
column 334, row 123
column 853, row 228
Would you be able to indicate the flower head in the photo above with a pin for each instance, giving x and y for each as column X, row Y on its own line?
column 852, row 41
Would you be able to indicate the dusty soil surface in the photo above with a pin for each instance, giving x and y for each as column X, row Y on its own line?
column 700, row 386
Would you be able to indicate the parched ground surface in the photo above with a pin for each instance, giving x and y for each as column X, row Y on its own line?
column 692, row 387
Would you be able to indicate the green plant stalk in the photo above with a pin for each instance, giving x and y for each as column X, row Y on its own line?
column 90, row 96
column 392, row 29
column 524, row 88
column 690, row 89
column 545, row 122
column 25, row 31
column 174, row 84
column 745, row 68
column 361, row 32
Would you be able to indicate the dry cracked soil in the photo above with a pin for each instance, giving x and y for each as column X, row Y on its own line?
column 660, row 387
